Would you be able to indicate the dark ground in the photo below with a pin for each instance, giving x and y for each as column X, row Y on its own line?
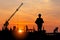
column 7, row 35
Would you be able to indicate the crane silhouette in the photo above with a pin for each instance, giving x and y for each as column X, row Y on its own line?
column 7, row 22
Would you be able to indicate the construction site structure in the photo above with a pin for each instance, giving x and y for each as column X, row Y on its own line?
column 30, row 30
column 7, row 22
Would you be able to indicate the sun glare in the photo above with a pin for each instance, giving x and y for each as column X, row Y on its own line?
column 20, row 31
column 20, row 34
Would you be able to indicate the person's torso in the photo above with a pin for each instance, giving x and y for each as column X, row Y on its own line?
column 39, row 21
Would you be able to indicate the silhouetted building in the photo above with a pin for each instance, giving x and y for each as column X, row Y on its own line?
column 39, row 21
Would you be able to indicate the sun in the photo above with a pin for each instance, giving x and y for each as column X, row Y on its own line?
column 20, row 31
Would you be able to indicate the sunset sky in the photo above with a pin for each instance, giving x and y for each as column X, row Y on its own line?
column 27, row 14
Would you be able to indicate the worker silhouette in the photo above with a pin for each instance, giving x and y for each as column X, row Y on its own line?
column 14, row 28
column 39, row 21
column 56, row 30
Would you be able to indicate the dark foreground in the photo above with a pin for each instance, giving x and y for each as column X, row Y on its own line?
column 7, row 35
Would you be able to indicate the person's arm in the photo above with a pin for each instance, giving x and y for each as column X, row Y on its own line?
column 36, row 21
column 42, row 21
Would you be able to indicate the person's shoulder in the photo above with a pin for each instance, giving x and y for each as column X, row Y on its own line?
column 37, row 18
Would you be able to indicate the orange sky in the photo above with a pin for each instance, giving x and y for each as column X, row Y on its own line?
column 27, row 14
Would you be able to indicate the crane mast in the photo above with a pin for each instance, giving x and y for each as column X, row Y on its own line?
column 7, row 22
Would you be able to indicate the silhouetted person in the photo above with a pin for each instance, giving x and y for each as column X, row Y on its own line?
column 26, row 28
column 14, row 28
column 10, row 29
column 39, row 21
column 56, row 30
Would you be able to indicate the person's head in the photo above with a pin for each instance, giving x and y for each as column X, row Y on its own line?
column 39, row 15
column 14, row 27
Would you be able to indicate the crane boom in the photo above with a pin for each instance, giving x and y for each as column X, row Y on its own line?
column 7, row 22
column 15, row 12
